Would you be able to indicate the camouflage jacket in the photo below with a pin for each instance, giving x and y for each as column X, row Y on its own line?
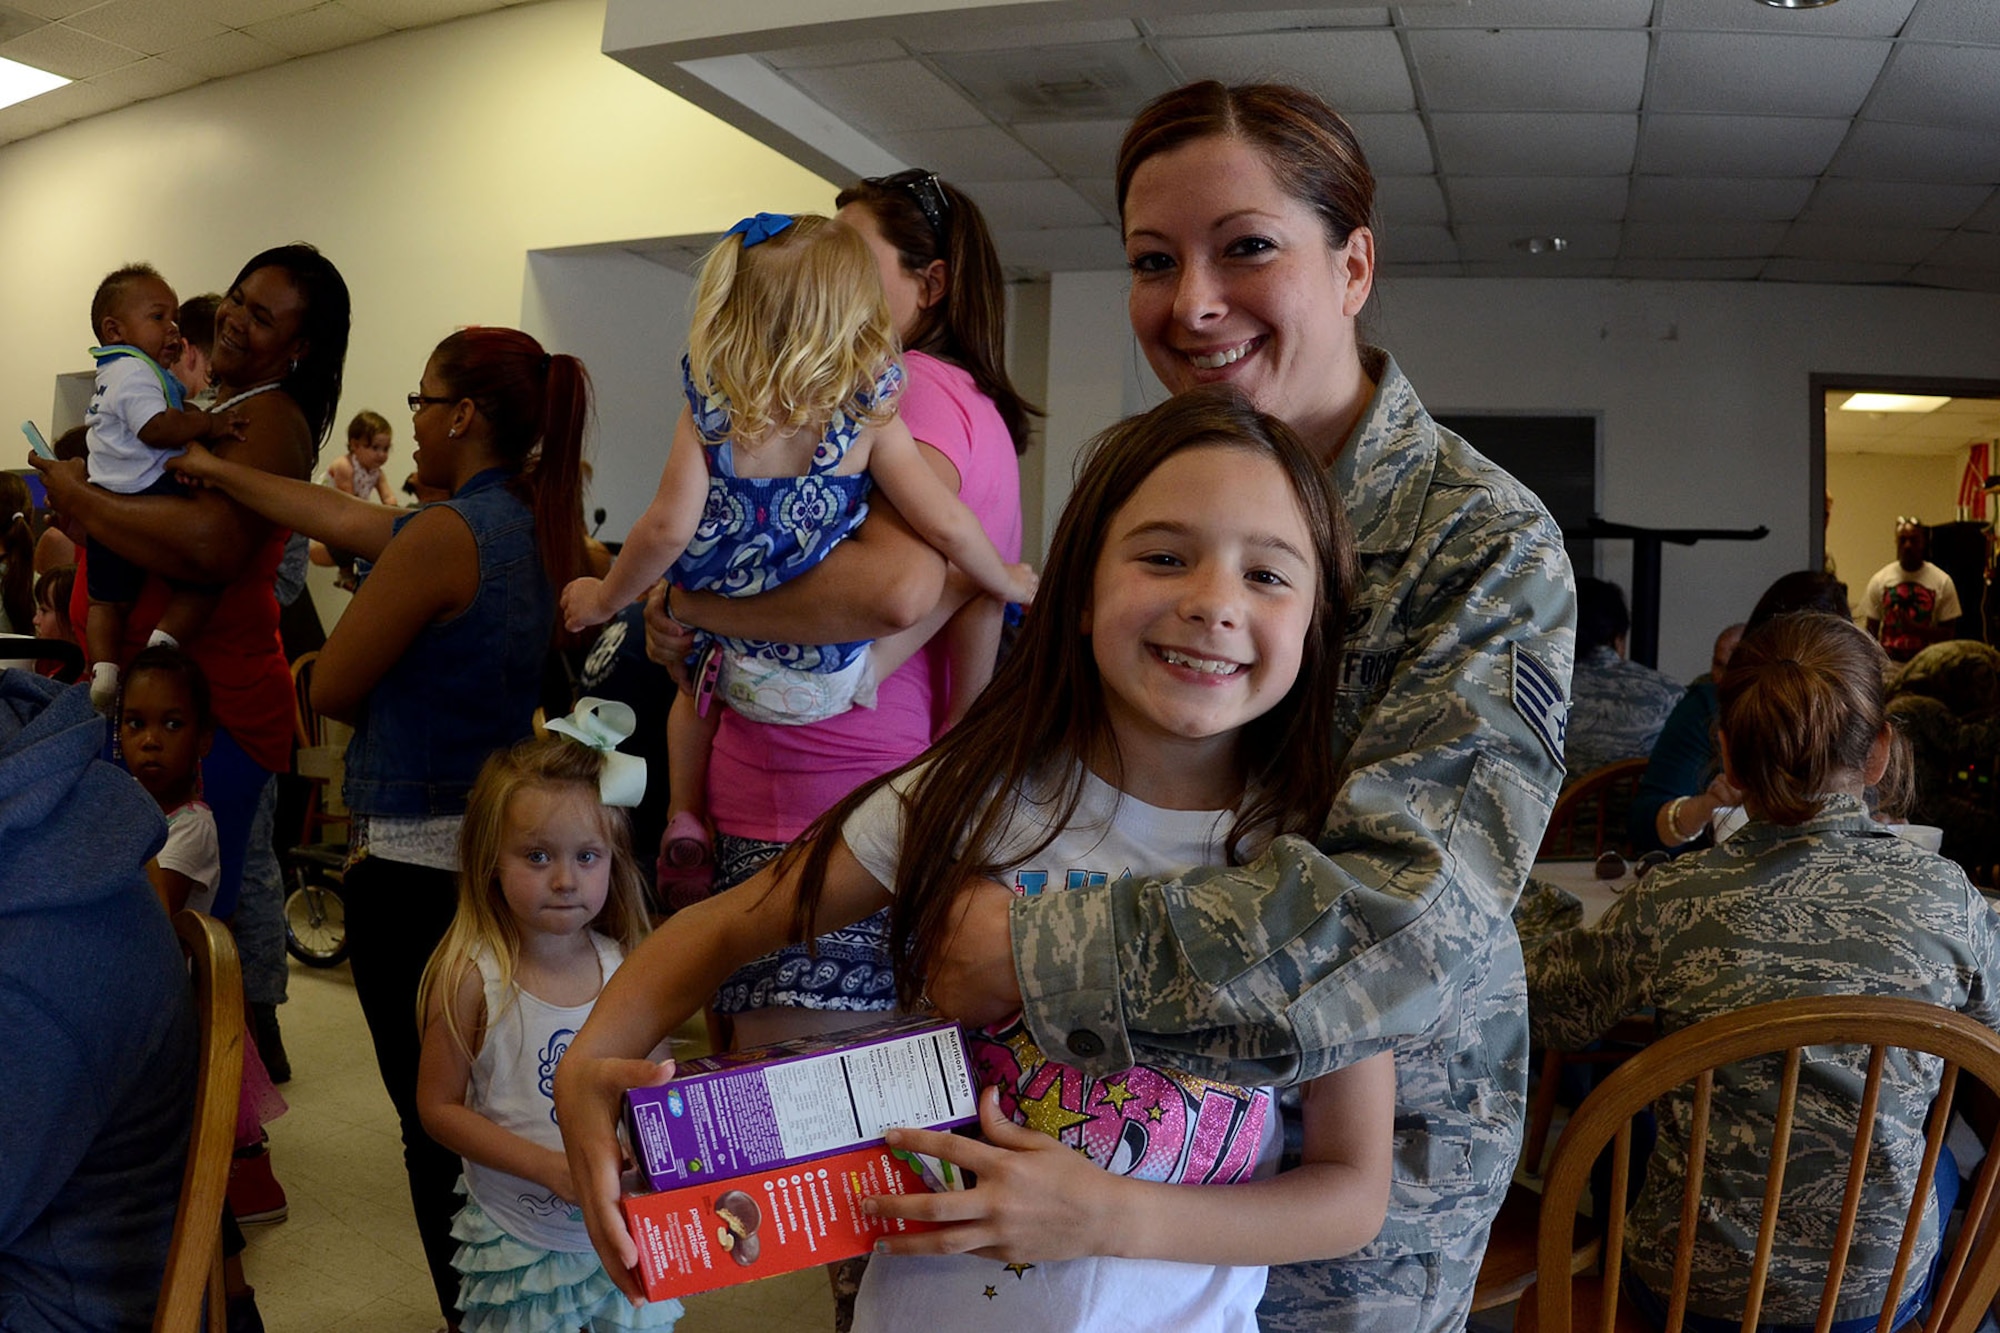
column 1617, row 708
column 1836, row 906
column 1392, row 932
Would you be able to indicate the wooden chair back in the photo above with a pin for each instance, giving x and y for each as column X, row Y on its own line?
column 307, row 729
column 1589, row 818
column 194, row 1263
column 1971, row 1273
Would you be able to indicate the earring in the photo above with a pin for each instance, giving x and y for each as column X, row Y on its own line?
column 452, row 433
column 295, row 367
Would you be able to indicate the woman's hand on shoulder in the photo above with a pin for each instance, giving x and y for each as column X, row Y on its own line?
column 199, row 467
column 1037, row 1198
column 275, row 437
column 589, row 1093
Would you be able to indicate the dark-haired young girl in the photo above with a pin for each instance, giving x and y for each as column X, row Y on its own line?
column 437, row 663
column 1167, row 704
column 1811, row 897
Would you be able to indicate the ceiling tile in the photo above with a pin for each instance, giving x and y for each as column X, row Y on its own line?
column 243, row 13
column 51, row 9
column 72, row 101
column 834, row 53
column 220, row 57
column 142, row 79
column 1738, row 145
column 1533, row 14
column 13, row 23
column 1401, row 200
column 1884, row 151
column 1102, row 193
column 1356, row 69
column 1894, row 203
column 1987, row 218
column 1018, row 206
column 63, row 50
column 1965, row 249
column 1075, row 147
column 1959, row 279
column 1494, row 243
column 1844, row 272
column 1975, row 21
column 1697, row 199
column 978, row 152
column 1396, row 144
column 151, row 26
column 1884, row 245
column 1092, row 81
column 1701, row 240
column 1533, row 144
column 1941, row 85
column 887, row 96
column 1540, row 203
column 1266, row 20
column 1851, row 18
column 1780, row 76
column 961, row 31
column 417, row 13
column 1689, row 270
column 1536, row 266
column 1529, row 70
column 1383, row 271
column 1061, row 249
column 1416, row 245
column 322, row 28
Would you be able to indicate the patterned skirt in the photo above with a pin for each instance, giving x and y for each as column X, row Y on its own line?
column 511, row 1287
column 848, row 969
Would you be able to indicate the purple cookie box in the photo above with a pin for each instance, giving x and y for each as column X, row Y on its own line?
column 794, row 1101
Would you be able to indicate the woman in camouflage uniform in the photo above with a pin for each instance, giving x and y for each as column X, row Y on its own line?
column 1812, row 897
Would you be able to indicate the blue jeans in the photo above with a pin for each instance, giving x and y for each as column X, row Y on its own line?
column 1944, row 1182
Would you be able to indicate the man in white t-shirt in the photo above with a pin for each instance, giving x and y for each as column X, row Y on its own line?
column 1910, row 603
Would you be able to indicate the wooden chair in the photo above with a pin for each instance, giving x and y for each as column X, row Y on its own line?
column 194, row 1263
column 1970, row 1275
column 1589, row 818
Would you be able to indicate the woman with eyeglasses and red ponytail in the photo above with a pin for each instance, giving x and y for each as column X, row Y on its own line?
column 437, row 663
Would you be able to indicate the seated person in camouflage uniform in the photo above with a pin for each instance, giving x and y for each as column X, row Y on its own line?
column 1617, row 706
column 1946, row 699
column 1812, row 897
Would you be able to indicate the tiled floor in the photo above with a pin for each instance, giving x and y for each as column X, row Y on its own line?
column 347, row 1258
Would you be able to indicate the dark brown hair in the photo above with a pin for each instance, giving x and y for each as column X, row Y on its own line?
column 313, row 381
column 1043, row 718
column 536, row 405
column 967, row 326
column 1802, row 703
column 160, row 660
column 17, row 549
column 112, row 290
column 1308, row 146
column 197, row 321
column 366, row 426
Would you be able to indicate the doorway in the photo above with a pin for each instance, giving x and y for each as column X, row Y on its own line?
column 1883, row 460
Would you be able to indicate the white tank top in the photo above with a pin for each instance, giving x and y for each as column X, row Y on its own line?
column 513, row 1085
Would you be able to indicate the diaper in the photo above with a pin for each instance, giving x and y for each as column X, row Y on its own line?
column 767, row 691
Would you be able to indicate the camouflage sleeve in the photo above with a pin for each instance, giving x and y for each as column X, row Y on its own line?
column 1582, row 981
column 1288, row 967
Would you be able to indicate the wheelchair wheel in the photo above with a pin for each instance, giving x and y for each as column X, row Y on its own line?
column 315, row 923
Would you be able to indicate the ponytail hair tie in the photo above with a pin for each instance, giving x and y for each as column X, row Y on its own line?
column 760, row 228
column 599, row 724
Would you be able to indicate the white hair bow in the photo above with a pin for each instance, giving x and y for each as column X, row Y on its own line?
column 601, row 724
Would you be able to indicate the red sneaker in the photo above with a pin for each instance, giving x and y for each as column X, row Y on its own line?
column 254, row 1193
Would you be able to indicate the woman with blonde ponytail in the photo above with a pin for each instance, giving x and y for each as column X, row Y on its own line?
column 1811, row 897
column 437, row 662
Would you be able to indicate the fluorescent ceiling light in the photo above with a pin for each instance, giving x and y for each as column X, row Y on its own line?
column 19, row 82
column 1892, row 402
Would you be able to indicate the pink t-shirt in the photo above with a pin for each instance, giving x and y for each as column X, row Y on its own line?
column 769, row 782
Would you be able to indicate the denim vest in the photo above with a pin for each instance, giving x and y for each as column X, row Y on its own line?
column 467, row 686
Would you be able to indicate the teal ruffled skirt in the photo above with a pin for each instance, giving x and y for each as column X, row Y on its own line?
column 510, row 1287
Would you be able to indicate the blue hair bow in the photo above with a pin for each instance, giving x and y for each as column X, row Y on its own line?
column 759, row 229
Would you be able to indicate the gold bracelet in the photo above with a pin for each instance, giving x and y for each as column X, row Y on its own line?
column 1674, row 820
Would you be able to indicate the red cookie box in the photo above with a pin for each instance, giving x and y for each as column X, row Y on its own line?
column 774, row 1222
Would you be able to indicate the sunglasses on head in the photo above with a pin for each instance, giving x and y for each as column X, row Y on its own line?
column 924, row 188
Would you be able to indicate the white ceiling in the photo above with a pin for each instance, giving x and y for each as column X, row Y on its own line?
column 1660, row 138
column 1949, row 429
column 124, row 51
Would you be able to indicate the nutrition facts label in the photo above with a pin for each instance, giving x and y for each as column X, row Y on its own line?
column 829, row 1101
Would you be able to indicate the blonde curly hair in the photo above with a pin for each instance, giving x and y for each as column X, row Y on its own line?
column 793, row 330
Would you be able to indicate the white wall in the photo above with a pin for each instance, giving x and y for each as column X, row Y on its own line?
column 1703, row 388
column 426, row 164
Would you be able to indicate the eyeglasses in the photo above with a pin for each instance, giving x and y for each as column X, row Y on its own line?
column 924, row 188
column 419, row 398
